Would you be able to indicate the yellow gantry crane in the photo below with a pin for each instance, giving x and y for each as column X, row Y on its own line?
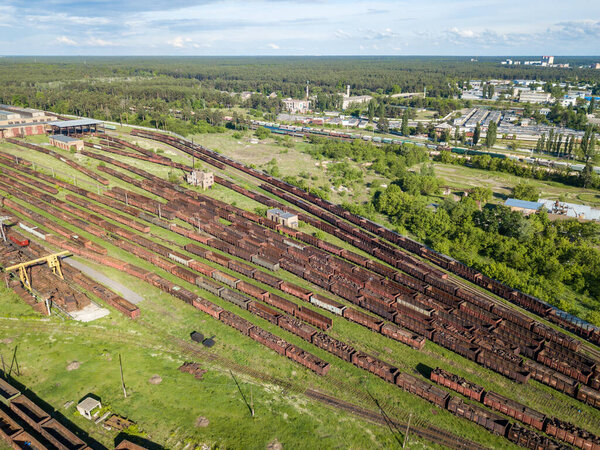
column 53, row 263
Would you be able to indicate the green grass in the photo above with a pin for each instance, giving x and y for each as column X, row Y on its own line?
column 286, row 416
column 461, row 178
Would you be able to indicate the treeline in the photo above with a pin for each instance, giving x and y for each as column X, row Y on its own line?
column 557, row 261
column 284, row 75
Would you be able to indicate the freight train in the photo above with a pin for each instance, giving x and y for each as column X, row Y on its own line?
column 550, row 425
column 55, row 434
column 439, row 285
column 492, row 315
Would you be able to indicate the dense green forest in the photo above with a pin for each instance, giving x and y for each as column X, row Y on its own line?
column 148, row 91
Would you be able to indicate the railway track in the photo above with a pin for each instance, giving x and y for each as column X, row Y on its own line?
column 431, row 434
column 434, row 435
column 589, row 348
column 186, row 347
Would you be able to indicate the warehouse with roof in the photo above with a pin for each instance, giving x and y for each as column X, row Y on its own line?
column 76, row 126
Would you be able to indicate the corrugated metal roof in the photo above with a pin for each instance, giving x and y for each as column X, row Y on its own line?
column 572, row 209
column 283, row 214
column 75, row 123
column 516, row 203
column 65, row 139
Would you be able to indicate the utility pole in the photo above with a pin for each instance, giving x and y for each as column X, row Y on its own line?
column 407, row 430
column 2, row 220
column 122, row 380
column 251, row 402
column 14, row 361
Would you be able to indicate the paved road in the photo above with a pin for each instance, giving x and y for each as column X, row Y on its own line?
column 125, row 292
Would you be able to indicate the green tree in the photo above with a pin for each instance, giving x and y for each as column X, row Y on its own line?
column 262, row 133
column 404, row 129
column 476, row 134
column 587, row 174
column 371, row 110
column 481, row 194
column 526, row 191
column 550, row 141
column 542, row 143
column 490, row 138
column 592, row 105
column 572, row 146
column 588, row 143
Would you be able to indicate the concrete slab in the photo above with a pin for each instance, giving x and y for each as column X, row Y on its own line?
column 89, row 313
column 123, row 291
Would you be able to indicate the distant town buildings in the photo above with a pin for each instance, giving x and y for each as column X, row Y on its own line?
column 200, row 178
column 295, row 106
column 546, row 61
column 348, row 100
column 535, row 97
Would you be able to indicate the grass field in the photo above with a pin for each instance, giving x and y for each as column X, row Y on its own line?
column 291, row 162
column 462, row 178
column 167, row 413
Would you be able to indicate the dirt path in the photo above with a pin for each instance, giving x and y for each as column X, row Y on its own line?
column 125, row 292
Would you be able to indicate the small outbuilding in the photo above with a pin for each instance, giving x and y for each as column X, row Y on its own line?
column 66, row 142
column 523, row 206
column 200, row 178
column 87, row 405
column 283, row 218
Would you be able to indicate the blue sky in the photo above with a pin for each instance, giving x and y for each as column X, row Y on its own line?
column 300, row 27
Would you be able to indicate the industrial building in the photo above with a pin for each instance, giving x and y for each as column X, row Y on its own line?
column 357, row 99
column 283, row 218
column 77, row 126
column 20, row 122
column 535, row 97
column 66, row 142
column 199, row 178
column 296, row 106
column 523, row 206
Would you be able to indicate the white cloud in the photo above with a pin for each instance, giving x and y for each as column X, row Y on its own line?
column 462, row 33
column 179, row 42
column 7, row 16
column 577, row 29
column 65, row 40
column 53, row 18
column 341, row 34
column 273, row 46
column 97, row 42
column 388, row 33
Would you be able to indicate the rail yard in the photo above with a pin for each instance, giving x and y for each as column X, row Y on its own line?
column 326, row 305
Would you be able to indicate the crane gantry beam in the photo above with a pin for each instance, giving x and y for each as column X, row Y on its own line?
column 52, row 261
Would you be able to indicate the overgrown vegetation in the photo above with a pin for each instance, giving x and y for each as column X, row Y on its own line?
column 555, row 260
